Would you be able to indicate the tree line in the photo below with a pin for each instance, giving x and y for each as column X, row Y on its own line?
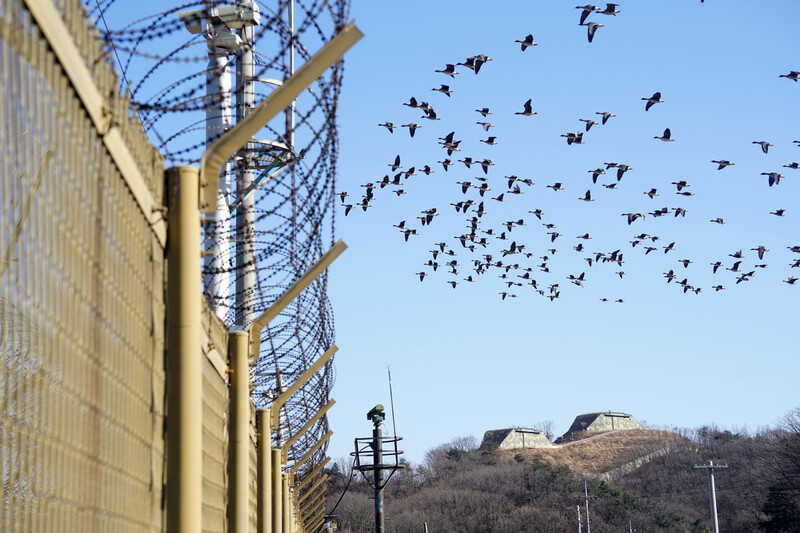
column 461, row 488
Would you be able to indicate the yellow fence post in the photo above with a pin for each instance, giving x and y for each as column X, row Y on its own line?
column 184, row 364
column 286, row 503
column 264, row 482
column 277, row 491
column 239, row 458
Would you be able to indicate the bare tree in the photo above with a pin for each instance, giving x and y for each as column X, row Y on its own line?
column 783, row 451
column 547, row 427
column 465, row 444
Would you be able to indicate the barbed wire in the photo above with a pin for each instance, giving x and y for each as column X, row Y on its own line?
column 293, row 209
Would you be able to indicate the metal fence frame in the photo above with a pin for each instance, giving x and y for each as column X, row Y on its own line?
column 96, row 352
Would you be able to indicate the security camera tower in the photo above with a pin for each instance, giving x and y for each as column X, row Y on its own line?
column 217, row 25
column 373, row 461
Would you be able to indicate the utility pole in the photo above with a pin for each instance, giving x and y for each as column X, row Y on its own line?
column 712, row 493
column 580, row 522
column 586, row 498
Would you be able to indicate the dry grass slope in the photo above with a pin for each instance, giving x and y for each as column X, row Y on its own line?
column 604, row 453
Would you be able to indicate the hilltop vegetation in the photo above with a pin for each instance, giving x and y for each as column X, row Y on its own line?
column 459, row 488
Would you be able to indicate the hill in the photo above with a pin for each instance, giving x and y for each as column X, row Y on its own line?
column 643, row 480
column 604, row 455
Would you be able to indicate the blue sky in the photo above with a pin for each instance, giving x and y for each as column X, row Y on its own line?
column 465, row 361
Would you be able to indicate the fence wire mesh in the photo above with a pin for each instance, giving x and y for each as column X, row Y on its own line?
column 81, row 304
column 82, row 308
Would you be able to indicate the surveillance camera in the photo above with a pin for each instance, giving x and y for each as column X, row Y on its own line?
column 235, row 16
column 225, row 39
column 376, row 412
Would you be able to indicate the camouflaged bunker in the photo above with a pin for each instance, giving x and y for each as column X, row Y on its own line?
column 600, row 422
column 515, row 438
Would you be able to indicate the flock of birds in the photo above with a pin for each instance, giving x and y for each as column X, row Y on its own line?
column 481, row 250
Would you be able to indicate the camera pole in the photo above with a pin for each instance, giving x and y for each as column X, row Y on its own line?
column 377, row 415
column 377, row 461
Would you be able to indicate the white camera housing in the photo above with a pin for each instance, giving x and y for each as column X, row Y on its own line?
column 231, row 16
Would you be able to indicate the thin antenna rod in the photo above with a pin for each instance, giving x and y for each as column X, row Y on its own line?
column 391, row 400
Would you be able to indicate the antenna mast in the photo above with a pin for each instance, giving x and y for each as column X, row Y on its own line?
column 391, row 400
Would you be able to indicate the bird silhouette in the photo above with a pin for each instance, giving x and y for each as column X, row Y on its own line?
column 526, row 42
column 764, row 145
column 430, row 114
column 622, row 169
column 591, row 28
column 448, row 70
column 606, row 115
column 476, row 62
column 573, row 138
column 444, row 89
column 774, row 178
column 666, row 137
column 527, row 109
column 722, row 163
column 653, row 100
column 596, row 172
column 587, row 10
column 412, row 127
column 611, row 9
column 761, row 251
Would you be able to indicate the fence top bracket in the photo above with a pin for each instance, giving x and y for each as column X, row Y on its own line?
column 235, row 138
